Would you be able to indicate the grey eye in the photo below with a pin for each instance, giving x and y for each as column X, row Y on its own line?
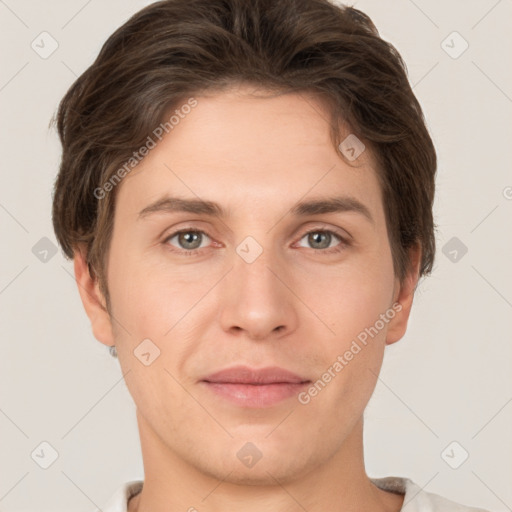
column 188, row 240
column 320, row 239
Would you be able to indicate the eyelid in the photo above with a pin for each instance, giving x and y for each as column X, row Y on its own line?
column 323, row 230
column 342, row 233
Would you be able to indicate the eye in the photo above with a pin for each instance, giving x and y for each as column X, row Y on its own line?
column 187, row 240
column 321, row 239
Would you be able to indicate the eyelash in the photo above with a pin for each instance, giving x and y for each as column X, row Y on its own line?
column 194, row 252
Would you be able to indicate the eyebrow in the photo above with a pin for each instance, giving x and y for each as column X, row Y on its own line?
column 304, row 208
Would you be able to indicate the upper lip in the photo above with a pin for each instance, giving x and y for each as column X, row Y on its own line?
column 247, row 375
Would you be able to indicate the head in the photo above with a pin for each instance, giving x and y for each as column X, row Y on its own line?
column 259, row 107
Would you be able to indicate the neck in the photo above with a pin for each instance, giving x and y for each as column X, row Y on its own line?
column 340, row 484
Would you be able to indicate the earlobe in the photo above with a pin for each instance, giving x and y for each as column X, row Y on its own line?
column 404, row 296
column 93, row 300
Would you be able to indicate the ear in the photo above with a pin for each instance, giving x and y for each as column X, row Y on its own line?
column 93, row 300
column 404, row 294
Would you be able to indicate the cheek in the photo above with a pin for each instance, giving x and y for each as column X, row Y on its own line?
column 352, row 356
column 148, row 308
column 145, row 298
column 357, row 306
column 353, row 297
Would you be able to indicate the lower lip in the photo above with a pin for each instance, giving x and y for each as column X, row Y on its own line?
column 250, row 395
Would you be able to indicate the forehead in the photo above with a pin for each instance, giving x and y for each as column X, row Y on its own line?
column 250, row 150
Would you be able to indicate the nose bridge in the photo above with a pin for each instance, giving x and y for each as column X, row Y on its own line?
column 255, row 300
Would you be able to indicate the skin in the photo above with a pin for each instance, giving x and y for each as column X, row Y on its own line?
column 294, row 307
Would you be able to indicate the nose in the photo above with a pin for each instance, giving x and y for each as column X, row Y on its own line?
column 256, row 299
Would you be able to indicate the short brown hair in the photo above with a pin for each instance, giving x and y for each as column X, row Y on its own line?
column 173, row 49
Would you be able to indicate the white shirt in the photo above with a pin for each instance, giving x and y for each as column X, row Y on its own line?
column 415, row 499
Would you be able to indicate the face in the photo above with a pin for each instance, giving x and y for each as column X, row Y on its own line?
column 273, row 281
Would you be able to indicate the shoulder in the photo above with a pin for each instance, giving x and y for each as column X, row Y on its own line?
column 418, row 500
column 119, row 500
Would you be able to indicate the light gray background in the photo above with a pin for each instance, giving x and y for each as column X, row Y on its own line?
column 448, row 380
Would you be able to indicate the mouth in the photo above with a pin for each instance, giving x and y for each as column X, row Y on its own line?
column 255, row 388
